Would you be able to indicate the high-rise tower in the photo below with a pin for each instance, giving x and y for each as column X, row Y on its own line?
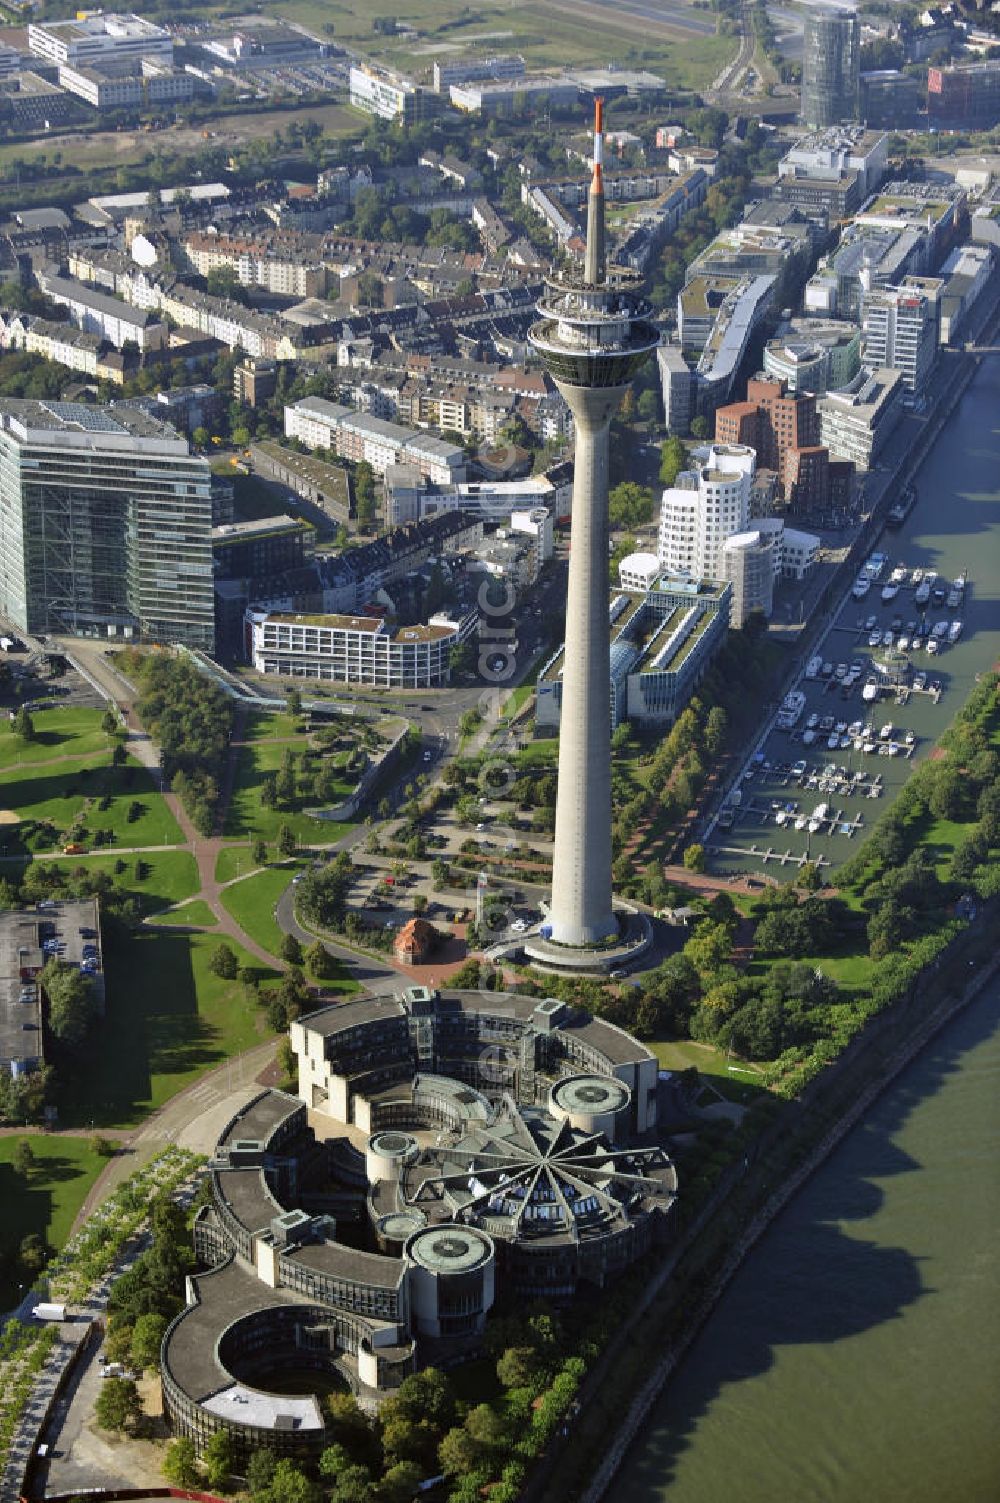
column 593, row 334
column 831, row 52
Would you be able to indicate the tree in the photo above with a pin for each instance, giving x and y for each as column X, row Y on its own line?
column 260, row 1472
column 485, row 1426
column 222, row 281
column 147, row 1335
column 218, row 1459
column 699, row 426
column 180, row 1464
column 694, row 858
column 400, row 1482
column 427, row 1395
column 461, row 658
column 630, row 505
column 353, row 1485
column 73, row 1004
column 518, row 1367
column 289, row 1484
column 201, row 438
column 118, row 1406
column 709, row 948
column 24, row 1160
column 458, row 1452
column 673, row 458
column 23, row 725
column 223, row 963
column 287, row 843
column 32, row 1254
column 258, row 852
column 648, row 406
column 109, row 722
column 291, row 950
column 716, row 731
column 317, row 961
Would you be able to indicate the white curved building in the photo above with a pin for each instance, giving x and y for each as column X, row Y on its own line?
column 704, row 507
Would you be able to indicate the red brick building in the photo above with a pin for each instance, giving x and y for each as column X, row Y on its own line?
column 784, row 430
column 415, row 941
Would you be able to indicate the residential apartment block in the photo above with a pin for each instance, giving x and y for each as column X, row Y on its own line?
column 356, row 649
column 356, row 436
column 259, row 263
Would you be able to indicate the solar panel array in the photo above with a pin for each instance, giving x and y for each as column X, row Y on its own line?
column 91, row 419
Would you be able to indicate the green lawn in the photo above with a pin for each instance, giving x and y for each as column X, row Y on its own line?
column 59, row 732
column 733, row 1078
column 539, row 754
column 169, row 1019
column 548, row 37
column 67, row 791
column 170, row 876
column 516, row 699
column 248, row 817
column 233, row 861
column 252, row 900
column 65, row 1169
column 267, row 725
column 196, row 912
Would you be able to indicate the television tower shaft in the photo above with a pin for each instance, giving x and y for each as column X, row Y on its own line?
column 592, row 334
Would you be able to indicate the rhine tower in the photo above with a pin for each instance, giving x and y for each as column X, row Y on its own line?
column 593, row 334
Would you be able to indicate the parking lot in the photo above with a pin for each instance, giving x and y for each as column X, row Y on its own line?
column 870, row 702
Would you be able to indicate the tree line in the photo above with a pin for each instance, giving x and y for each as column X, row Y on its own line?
column 191, row 719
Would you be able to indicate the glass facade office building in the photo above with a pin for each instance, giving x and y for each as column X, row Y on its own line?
column 105, row 525
column 831, row 63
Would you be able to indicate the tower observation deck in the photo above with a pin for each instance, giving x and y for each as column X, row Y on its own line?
column 593, row 333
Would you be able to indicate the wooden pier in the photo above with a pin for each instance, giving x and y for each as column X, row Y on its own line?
column 768, row 854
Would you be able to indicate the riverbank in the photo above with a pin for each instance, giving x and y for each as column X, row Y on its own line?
column 639, row 1411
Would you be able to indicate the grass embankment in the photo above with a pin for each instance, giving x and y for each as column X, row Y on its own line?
column 52, row 799
column 60, row 731
column 252, row 902
column 268, row 740
column 158, row 878
column 46, row 1202
column 555, row 35
column 169, row 1019
column 194, row 914
column 233, row 861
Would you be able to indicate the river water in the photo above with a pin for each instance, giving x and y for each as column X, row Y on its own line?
column 856, row 1354
column 855, row 1358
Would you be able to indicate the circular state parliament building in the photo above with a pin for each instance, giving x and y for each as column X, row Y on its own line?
column 443, row 1147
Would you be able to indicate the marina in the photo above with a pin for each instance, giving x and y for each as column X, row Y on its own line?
column 904, row 647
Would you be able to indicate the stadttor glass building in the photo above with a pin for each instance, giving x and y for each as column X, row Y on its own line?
column 105, row 525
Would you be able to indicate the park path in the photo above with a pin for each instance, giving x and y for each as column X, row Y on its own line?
column 194, row 1117
column 206, row 848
